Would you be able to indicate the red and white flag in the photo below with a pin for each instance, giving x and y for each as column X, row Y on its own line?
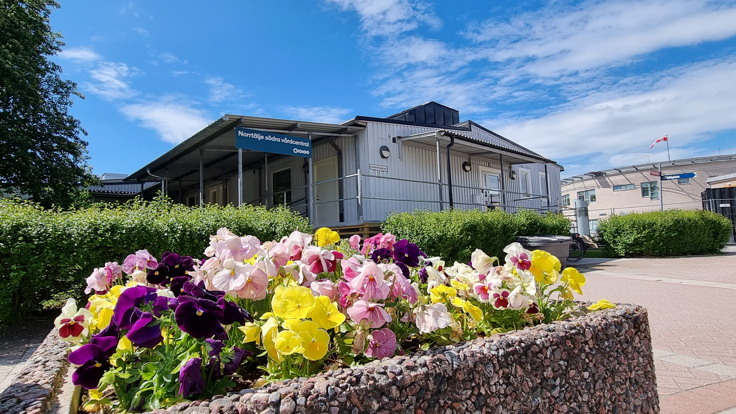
column 664, row 138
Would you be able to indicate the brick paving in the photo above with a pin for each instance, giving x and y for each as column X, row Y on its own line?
column 692, row 314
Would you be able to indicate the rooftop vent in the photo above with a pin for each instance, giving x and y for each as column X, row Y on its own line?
column 431, row 113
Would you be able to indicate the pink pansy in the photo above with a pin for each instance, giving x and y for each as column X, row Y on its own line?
column 318, row 260
column 433, row 317
column 305, row 276
column 232, row 277
column 482, row 292
column 242, row 248
column 394, row 277
column 517, row 300
column 382, row 344
column 518, row 256
column 481, row 262
column 408, row 291
column 279, row 253
column 73, row 323
column 296, row 242
column 96, row 281
column 350, row 268
column 141, row 260
column 371, row 312
column 354, row 241
column 379, row 241
column 324, row 287
column 256, row 284
column 501, row 299
column 370, row 283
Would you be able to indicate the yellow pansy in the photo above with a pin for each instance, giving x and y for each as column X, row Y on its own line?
column 442, row 293
column 475, row 312
column 292, row 302
column 269, row 330
column 315, row 341
column 325, row 313
column 575, row 279
column 459, row 285
column 602, row 304
column 545, row 267
column 252, row 333
column 124, row 344
column 290, row 323
column 325, row 236
column 288, row 342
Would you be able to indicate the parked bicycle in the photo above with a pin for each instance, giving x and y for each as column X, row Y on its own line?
column 577, row 248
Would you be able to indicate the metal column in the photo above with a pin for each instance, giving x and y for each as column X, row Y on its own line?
column 439, row 171
column 240, row 177
column 311, row 191
column 265, row 177
column 201, row 177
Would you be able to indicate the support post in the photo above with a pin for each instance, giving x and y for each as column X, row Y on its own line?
column 265, row 179
column 311, row 192
column 240, row 177
column 439, row 170
column 360, row 197
column 502, row 182
column 661, row 190
column 201, row 177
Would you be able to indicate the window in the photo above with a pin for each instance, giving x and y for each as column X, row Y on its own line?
column 650, row 190
column 566, row 200
column 624, row 187
column 542, row 183
column 683, row 181
column 282, row 187
column 588, row 196
column 525, row 183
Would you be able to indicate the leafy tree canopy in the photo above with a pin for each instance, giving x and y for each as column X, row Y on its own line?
column 41, row 153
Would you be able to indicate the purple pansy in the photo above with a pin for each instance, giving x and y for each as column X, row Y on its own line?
column 145, row 332
column 235, row 361
column 128, row 301
column 233, row 313
column 198, row 317
column 190, row 378
column 380, row 255
column 407, row 253
column 93, row 359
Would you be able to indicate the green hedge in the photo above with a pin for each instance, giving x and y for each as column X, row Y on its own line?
column 455, row 234
column 46, row 255
column 665, row 233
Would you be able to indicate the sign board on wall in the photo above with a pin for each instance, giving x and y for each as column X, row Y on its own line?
column 254, row 140
column 678, row 176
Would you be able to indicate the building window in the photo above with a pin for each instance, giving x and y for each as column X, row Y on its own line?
column 282, row 187
column 542, row 184
column 624, row 187
column 566, row 200
column 683, row 181
column 650, row 190
column 525, row 182
column 588, row 196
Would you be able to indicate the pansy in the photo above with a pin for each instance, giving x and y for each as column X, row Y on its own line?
column 102, row 278
column 314, row 341
column 500, row 299
column 481, row 262
column 324, row 287
column 256, row 284
column 252, row 333
column 73, row 324
column 288, row 342
column 191, row 380
column 141, row 260
column 354, row 242
column 442, row 293
column 574, row 279
column 325, row 313
column 407, row 253
column 369, row 282
column 517, row 256
column 93, row 360
column 602, row 304
column 382, row 344
column 433, row 317
column 545, row 267
column 145, row 331
column 374, row 313
column 296, row 242
column 198, row 317
column 325, row 236
column 232, row 277
column 292, row 302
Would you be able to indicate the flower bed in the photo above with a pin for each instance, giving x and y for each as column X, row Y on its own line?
column 179, row 329
column 598, row 362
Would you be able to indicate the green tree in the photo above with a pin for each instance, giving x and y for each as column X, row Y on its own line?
column 42, row 154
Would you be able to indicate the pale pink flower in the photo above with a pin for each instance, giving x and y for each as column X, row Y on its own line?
column 256, row 284
column 141, row 260
column 433, row 317
column 296, row 242
column 324, row 287
column 319, row 260
column 382, row 344
column 482, row 292
column 350, row 268
column 279, row 253
column 518, row 256
column 379, row 241
column 354, row 241
column 371, row 312
column 97, row 281
column 242, row 248
column 369, row 282
column 232, row 277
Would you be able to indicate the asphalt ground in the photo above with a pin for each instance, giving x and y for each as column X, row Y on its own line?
column 691, row 303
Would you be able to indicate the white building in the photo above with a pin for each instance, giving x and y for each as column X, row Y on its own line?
column 355, row 173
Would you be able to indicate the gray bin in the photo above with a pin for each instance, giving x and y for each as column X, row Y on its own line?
column 558, row 246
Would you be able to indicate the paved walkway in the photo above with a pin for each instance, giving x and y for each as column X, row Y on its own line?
column 17, row 344
column 691, row 303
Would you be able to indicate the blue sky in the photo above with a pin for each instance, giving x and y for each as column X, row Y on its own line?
column 589, row 84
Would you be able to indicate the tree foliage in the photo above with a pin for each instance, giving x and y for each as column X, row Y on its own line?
column 41, row 153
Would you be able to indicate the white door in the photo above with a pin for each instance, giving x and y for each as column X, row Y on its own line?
column 491, row 185
column 326, row 195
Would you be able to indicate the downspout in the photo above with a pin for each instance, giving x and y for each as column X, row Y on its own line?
column 340, row 191
column 437, row 135
column 449, row 170
column 163, row 182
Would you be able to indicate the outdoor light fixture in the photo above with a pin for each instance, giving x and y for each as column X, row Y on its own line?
column 512, row 174
column 466, row 166
column 384, row 151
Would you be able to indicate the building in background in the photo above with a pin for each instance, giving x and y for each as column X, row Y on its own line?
column 638, row 188
column 352, row 175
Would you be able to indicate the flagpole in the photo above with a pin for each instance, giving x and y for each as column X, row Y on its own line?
column 668, row 148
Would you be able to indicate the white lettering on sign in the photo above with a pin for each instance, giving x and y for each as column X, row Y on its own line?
column 300, row 151
column 273, row 138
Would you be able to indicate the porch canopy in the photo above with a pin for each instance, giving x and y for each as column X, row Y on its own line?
column 211, row 154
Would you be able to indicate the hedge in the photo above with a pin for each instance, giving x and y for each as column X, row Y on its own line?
column 665, row 233
column 46, row 255
column 455, row 234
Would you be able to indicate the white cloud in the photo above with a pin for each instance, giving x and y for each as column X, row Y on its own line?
column 80, row 54
column 172, row 120
column 141, row 31
column 690, row 105
column 111, row 81
column 326, row 114
column 220, row 90
column 390, row 17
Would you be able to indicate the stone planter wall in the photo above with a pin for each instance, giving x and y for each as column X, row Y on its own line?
column 598, row 363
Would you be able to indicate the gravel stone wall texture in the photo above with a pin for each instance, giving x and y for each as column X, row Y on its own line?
column 597, row 363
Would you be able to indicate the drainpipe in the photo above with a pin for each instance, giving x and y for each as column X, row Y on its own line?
column 340, row 194
column 437, row 136
column 163, row 182
column 449, row 170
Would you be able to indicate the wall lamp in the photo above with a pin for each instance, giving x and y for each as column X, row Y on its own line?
column 512, row 174
column 384, row 151
column 466, row 166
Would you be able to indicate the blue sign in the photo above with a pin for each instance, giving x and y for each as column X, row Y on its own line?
column 254, row 140
column 677, row 176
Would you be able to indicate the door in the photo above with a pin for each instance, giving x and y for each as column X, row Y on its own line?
column 491, row 185
column 326, row 195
